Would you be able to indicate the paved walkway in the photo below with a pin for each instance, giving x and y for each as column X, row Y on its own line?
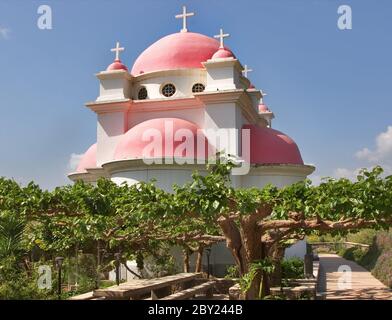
column 339, row 285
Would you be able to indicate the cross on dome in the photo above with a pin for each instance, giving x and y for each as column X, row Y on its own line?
column 246, row 71
column 117, row 50
column 221, row 36
column 183, row 16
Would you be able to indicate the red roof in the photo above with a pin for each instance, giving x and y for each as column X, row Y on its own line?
column 269, row 146
column 176, row 51
column 89, row 159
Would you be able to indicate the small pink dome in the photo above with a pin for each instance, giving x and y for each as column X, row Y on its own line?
column 169, row 134
column 269, row 146
column 117, row 65
column 251, row 86
column 89, row 159
column 223, row 53
column 263, row 108
column 176, row 51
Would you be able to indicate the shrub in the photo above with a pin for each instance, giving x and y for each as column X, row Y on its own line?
column 353, row 254
column 292, row 268
column 383, row 268
column 232, row 272
column 365, row 236
column 17, row 284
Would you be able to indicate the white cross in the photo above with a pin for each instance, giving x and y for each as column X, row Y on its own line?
column 117, row 50
column 246, row 70
column 221, row 36
column 183, row 16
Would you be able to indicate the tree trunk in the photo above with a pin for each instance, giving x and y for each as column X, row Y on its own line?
column 277, row 255
column 254, row 251
column 199, row 259
column 186, row 260
column 234, row 243
column 98, row 270
column 245, row 243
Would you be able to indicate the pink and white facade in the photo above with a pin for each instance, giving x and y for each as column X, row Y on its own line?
column 184, row 83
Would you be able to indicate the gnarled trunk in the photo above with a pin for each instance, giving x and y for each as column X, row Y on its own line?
column 246, row 246
column 234, row 243
column 199, row 259
column 186, row 260
column 277, row 254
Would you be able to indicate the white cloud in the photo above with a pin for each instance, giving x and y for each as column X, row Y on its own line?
column 382, row 154
column 74, row 160
column 350, row 174
column 316, row 179
column 4, row 33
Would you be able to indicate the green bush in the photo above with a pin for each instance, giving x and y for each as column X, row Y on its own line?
column 17, row 284
column 292, row 268
column 232, row 272
column 383, row 268
column 378, row 258
column 365, row 236
column 353, row 254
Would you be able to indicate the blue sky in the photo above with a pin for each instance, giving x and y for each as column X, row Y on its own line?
column 330, row 89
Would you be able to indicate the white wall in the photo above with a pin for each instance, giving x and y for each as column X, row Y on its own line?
column 183, row 80
column 195, row 116
column 116, row 88
column 110, row 129
column 164, row 178
column 260, row 181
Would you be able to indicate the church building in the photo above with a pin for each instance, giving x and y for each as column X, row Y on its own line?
column 185, row 97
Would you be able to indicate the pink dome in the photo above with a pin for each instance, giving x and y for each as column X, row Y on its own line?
column 263, row 108
column 222, row 53
column 117, row 65
column 176, row 51
column 170, row 136
column 269, row 146
column 89, row 159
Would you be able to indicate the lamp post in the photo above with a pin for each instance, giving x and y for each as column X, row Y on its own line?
column 208, row 252
column 59, row 263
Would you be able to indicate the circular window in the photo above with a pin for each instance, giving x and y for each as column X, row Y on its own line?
column 168, row 90
column 198, row 87
column 142, row 94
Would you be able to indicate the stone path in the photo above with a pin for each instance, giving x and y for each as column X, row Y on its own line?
column 339, row 285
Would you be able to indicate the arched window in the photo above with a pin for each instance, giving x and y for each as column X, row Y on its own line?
column 168, row 90
column 198, row 87
column 142, row 94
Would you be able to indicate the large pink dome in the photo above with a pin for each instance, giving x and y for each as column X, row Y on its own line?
column 169, row 134
column 89, row 159
column 176, row 51
column 269, row 146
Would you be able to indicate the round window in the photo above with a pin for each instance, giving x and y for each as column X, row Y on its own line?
column 168, row 90
column 142, row 94
column 198, row 87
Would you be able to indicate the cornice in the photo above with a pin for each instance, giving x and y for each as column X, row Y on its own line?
column 165, row 104
column 116, row 166
column 282, row 169
column 114, row 74
column 109, row 106
column 223, row 62
column 239, row 96
column 160, row 73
